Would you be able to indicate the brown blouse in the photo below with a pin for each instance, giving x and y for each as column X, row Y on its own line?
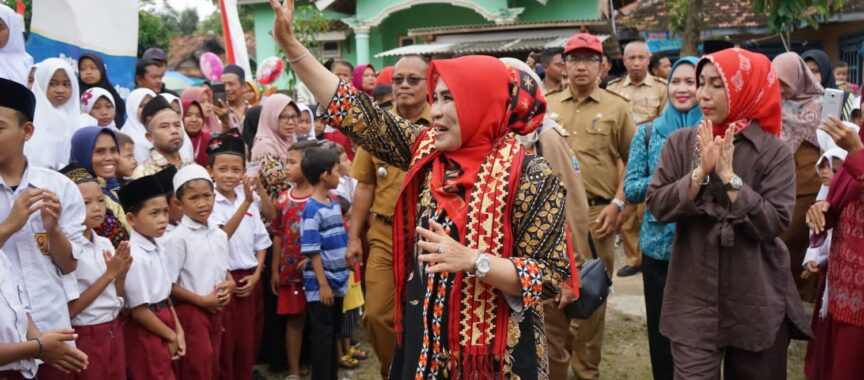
column 729, row 282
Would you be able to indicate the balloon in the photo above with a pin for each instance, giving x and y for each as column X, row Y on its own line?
column 211, row 66
column 270, row 70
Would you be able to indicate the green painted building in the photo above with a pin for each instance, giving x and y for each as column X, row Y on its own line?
column 379, row 31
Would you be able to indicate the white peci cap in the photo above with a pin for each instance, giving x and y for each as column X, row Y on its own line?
column 190, row 172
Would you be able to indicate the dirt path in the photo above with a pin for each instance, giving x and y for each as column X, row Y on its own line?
column 625, row 346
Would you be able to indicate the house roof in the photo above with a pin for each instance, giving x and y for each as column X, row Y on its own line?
column 475, row 28
column 718, row 14
column 183, row 48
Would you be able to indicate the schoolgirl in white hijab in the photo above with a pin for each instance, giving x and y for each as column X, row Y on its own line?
column 57, row 114
column 15, row 63
column 133, row 127
column 88, row 101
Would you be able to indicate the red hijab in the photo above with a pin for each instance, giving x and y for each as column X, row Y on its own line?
column 491, row 101
column 200, row 140
column 752, row 90
column 357, row 79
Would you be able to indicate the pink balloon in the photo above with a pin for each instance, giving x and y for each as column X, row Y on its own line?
column 211, row 66
column 270, row 70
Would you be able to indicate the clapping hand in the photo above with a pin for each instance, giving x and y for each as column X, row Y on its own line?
column 708, row 147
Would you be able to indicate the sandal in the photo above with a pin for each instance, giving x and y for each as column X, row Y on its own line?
column 347, row 362
column 357, row 353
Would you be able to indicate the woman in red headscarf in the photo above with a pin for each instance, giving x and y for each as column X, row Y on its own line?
column 835, row 352
column 729, row 185
column 479, row 224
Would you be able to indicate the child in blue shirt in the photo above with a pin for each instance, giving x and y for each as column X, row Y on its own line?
column 323, row 241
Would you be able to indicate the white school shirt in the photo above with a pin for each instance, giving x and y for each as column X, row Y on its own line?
column 197, row 256
column 91, row 266
column 13, row 317
column 147, row 281
column 45, row 296
column 251, row 235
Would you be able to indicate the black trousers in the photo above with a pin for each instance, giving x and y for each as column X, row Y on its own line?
column 654, row 281
column 324, row 323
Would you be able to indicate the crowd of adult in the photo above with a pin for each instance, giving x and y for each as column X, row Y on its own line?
column 453, row 201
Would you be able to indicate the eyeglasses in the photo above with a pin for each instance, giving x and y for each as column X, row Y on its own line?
column 289, row 118
column 582, row 59
column 411, row 80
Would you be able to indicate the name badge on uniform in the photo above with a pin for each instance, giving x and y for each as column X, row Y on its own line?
column 42, row 242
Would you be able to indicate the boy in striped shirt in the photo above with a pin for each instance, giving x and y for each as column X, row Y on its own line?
column 323, row 241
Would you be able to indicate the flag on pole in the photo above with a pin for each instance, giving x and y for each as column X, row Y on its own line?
column 69, row 28
column 235, row 39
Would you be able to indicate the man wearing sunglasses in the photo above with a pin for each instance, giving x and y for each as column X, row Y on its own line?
column 374, row 202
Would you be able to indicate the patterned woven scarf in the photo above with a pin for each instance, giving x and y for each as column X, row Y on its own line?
column 478, row 313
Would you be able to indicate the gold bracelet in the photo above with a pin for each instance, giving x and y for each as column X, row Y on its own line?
column 295, row 60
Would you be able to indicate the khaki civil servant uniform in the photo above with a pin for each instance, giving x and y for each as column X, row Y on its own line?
column 600, row 128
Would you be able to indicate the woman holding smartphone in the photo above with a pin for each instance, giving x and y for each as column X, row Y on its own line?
column 802, row 110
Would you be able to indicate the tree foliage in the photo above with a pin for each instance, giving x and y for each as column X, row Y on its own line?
column 784, row 16
column 213, row 23
column 28, row 13
column 151, row 32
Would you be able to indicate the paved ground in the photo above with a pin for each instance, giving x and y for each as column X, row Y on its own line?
column 625, row 348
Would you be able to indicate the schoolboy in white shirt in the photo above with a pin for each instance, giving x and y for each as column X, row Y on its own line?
column 237, row 213
column 198, row 253
column 154, row 337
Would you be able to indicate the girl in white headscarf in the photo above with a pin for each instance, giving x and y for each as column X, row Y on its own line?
column 15, row 63
column 305, row 126
column 57, row 114
column 134, row 128
column 98, row 108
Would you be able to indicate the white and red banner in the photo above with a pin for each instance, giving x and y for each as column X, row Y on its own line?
column 235, row 39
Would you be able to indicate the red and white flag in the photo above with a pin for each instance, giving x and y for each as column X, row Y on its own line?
column 235, row 39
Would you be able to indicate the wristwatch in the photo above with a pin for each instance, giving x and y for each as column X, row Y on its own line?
column 735, row 183
column 482, row 265
column 621, row 204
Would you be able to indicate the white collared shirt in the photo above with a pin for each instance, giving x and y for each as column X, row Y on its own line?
column 251, row 235
column 91, row 266
column 13, row 317
column 45, row 296
column 197, row 256
column 147, row 281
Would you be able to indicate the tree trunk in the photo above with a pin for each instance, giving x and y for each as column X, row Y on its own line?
column 690, row 37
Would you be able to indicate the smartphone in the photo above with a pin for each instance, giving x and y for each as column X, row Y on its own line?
column 832, row 103
column 219, row 94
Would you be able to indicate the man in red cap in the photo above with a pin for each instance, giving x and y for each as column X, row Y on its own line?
column 600, row 127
